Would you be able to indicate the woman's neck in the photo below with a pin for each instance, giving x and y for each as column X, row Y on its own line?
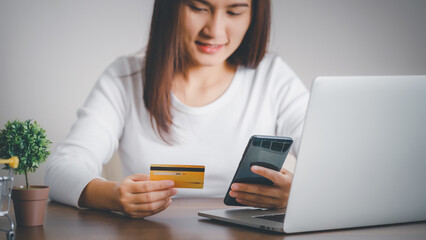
column 202, row 85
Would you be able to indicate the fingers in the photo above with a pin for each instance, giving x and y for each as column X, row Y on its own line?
column 149, row 197
column 279, row 178
column 265, row 190
column 266, row 196
column 137, row 197
column 143, row 209
column 155, row 208
column 150, row 207
column 147, row 201
column 149, row 186
column 257, row 200
column 282, row 183
column 257, row 204
column 139, row 177
column 162, row 208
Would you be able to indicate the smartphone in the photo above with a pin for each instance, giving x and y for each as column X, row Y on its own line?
column 265, row 151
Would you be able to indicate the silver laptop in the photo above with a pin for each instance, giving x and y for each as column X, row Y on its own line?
column 362, row 158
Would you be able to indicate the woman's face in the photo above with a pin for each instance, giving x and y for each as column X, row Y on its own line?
column 213, row 29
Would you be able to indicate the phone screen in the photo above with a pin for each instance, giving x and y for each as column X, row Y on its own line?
column 265, row 151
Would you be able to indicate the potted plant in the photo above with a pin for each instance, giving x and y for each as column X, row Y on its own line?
column 28, row 141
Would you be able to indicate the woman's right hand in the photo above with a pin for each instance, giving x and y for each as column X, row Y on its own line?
column 138, row 197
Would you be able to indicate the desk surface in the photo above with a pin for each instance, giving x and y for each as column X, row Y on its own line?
column 180, row 221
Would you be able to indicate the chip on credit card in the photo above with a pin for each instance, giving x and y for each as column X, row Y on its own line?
column 184, row 176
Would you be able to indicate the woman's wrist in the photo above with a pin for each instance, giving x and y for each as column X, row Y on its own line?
column 99, row 194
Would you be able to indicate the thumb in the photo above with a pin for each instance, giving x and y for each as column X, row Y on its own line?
column 270, row 174
column 139, row 177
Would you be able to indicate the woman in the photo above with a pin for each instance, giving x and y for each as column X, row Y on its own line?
column 203, row 88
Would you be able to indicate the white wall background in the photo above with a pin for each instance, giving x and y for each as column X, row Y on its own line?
column 52, row 52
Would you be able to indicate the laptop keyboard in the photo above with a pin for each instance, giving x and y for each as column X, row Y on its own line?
column 274, row 217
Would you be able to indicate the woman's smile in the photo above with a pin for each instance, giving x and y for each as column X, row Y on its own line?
column 209, row 48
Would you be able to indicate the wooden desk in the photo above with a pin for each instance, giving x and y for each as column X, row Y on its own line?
column 180, row 221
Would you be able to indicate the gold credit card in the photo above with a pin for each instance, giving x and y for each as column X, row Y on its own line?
column 184, row 176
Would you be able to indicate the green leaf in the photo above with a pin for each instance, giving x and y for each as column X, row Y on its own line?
column 26, row 140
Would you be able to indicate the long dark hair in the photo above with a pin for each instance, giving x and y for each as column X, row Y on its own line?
column 165, row 55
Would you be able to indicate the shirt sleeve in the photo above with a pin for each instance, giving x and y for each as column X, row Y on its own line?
column 292, row 97
column 91, row 142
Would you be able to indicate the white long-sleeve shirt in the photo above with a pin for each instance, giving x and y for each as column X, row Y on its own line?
column 268, row 100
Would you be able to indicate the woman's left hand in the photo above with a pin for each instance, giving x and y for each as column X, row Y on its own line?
column 264, row 196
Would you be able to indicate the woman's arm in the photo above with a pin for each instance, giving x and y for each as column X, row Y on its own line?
column 135, row 195
column 290, row 97
column 94, row 137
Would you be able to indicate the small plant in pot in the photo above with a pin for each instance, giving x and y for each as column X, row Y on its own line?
column 28, row 141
